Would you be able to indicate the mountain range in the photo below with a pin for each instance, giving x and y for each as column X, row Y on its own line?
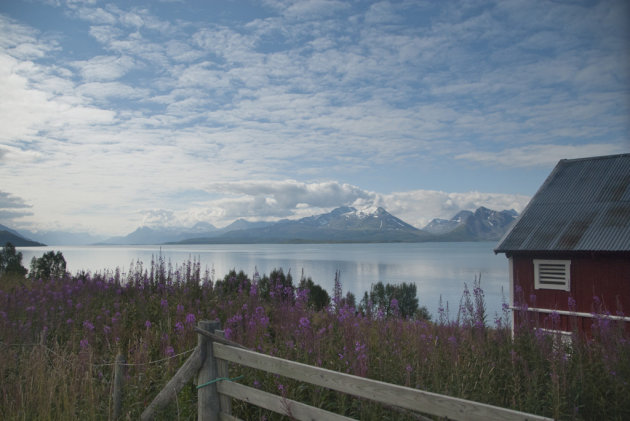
column 482, row 225
column 7, row 235
column 341, row 225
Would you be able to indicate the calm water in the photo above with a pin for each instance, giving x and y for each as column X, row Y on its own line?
column 438, row 269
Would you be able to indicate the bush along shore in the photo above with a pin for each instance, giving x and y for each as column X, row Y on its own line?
column 60, row 335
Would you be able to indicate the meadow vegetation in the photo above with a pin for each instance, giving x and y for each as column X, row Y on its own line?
column 59, row 337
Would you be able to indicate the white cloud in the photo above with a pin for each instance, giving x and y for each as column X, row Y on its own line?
column 12, row 208
column 104, row 68
column 104, row 90
column 284, row 196
column 307, row 91
column 312, row 9
column 289, row 198
column 97, row 15
column 12, row 154
column 542, row 155
column 419, row 207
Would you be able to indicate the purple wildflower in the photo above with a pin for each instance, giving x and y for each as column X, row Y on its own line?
column 169, row 351
column 147, row 324
column 179, row 327
column 305, row 323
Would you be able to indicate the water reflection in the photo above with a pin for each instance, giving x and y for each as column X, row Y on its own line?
column 438, row 269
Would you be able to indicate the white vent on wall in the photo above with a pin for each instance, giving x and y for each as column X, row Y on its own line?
column 552, row 274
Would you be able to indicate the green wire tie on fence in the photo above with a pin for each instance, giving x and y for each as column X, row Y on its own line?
column 218, row 379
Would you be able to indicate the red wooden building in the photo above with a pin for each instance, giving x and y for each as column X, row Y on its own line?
column 569, row 251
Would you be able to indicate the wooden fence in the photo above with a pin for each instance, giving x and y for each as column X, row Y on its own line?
column 209, row 361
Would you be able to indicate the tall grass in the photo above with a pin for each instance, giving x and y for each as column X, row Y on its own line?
column 60, row 337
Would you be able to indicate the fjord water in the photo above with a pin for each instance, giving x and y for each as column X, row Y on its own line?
column 437, row 269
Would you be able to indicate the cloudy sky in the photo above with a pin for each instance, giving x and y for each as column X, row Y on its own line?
column 118, row 114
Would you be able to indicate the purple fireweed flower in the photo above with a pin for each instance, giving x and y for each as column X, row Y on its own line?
column 228, row 333
column 69, row 321
column 305, row 323
column 179, row 327
column 169, row 351
column 302, row 295
column 107, row 329
column 190, row 318
column 88, row 325
column 256, row 384
column 147, row 324
column 180, row 308
column 394, row 305
column 84, row 343
column 164, row 303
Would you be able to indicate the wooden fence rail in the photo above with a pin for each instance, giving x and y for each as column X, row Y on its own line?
column 213, row 353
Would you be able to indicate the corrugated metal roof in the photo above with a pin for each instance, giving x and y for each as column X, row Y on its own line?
column 584, row 205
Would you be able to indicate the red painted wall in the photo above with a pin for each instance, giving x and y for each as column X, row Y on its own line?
column 605, row 276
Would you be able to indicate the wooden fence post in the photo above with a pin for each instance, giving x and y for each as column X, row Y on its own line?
column 119, row 373
column 223, row 370
column 208, row 405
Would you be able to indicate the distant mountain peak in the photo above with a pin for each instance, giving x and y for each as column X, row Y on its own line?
column 482, row 224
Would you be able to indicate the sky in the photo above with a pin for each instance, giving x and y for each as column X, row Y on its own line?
column 118, row 114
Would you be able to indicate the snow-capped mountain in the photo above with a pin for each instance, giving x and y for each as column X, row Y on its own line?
column 344, row 224
column 483, row 224
column 341, row 225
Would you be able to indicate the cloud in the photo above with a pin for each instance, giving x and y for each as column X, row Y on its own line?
column 304, row 91
column 7, row 200
column 282, row 198
column 419, row 207
column 104, row 90
column 542, row 155
column 272, row 200
column 12, row 208
column 104, row 68
column 13, row 154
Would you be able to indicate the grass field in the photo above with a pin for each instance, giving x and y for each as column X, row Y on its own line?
column 60, row 337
